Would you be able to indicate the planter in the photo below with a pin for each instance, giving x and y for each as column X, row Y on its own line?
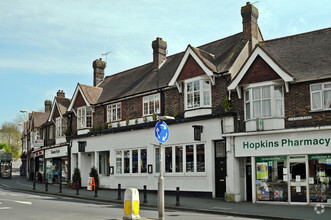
column 74, row 185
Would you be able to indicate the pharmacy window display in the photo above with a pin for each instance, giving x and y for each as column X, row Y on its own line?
column 271, row 179
column 320, row 178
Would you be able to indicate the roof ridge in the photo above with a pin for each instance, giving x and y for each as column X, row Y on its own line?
column 115, row 74
column 295, row 35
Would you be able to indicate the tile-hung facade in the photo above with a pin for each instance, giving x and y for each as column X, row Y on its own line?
column 282, row 147
column 113, row 120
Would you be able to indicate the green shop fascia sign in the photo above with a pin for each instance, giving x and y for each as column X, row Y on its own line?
column 266, row 159
column 319, row 157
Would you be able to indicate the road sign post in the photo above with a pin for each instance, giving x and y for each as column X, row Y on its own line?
column 162, row 135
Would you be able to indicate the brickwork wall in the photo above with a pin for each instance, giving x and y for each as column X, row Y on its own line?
column 297, row 104
column 79, row 101
column 173, row 102
column 219, row 92
column 99, row 116
column 132, row 108
column 259, row 71
column 191, row 69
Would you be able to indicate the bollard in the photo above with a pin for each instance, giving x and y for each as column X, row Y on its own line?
column 131, row 204
column 46, row 185
column 177, row 196
column 77, row 189
column 96, row 191
column 34, row 185
column 145, row 194
column 119, row 192
column 60, row 187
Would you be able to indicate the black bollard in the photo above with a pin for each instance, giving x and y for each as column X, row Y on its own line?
column 77, row 189
column 60, row 187
column 145, row 194
column 96, row 191
column 177, row 196
column 119, row 192
column 46, row 185
column 34, row 185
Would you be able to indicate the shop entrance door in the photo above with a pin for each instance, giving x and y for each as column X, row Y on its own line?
column 220, row 168
column 298, row 181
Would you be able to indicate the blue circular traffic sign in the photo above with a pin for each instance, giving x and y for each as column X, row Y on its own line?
column 162, row 132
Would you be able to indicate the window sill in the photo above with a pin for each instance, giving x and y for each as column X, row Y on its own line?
column 319, row 110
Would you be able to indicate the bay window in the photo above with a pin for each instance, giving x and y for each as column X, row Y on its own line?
column 197, row 94
column 114, row 112
column 84, row 117
column 264, row 102
column 151, row 104
column 320, row 96
column 60, row 126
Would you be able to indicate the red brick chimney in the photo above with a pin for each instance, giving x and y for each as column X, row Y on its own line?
column 60, row 93
column 250, row 15
column 98, row 71
column 159, row 52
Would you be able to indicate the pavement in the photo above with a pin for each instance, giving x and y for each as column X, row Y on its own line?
column 187, row 203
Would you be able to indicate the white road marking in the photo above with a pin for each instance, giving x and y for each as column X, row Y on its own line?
column 21, row 202
column 5, row 208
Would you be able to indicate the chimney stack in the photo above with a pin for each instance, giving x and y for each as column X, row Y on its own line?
column 159, row 52
column 250, row 15
column 60, row 93
column 48, row 106
column 98, row 71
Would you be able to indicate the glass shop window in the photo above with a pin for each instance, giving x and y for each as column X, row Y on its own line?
column 271, row 179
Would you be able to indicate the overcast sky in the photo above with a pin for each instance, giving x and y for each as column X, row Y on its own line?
column 47, row 45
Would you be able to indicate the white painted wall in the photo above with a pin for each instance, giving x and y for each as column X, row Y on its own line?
column 180, row 134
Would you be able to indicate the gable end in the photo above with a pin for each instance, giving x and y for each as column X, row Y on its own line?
column 191, row 69
column 259, row 71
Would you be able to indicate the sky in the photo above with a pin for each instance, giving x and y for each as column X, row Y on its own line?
column 49, row 45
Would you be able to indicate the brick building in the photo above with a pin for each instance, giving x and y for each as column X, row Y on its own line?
column 282, row 95
column 113, row 121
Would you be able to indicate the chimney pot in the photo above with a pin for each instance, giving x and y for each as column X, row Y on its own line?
column 60, row 93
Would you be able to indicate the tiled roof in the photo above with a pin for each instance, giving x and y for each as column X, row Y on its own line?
column 39, row 118
column 63, row 104
column 218, row 56
column 91, row 93
column 305, row 56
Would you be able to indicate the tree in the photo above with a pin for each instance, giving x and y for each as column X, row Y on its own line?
column 4, row 147
column 11, row 135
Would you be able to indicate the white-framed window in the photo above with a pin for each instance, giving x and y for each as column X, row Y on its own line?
column 131, row 161
column 151, row 104
column 197, row 94
column 320, row 96
column 114, row 112
column 264, row 102
column 189, row 158
column 51, row 132
column 104, row 162
column 60, row 127
column 84, row 117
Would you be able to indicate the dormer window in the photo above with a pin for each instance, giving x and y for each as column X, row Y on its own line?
column 60, row 126
column 264, row 102
column 197, row 94
column 151, row 104
column 84, row 117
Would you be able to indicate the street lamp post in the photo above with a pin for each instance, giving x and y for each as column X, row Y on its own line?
column 26, row 144
column 161, row 177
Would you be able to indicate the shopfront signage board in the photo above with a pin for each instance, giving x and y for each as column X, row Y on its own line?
column 291, row 143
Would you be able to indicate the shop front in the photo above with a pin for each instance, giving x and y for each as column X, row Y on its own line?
column 39, row 165
column 289, row 167
column 57, row 164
